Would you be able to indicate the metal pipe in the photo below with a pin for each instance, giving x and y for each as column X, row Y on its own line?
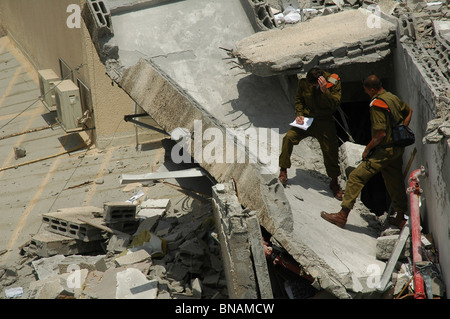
column 414, row 194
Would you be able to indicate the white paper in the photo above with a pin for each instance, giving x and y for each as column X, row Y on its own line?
column 307, row 121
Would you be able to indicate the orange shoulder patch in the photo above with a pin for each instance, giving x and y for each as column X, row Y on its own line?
column 332, row 80
column 379, row 103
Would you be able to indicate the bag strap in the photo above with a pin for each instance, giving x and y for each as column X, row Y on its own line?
column 380, row 103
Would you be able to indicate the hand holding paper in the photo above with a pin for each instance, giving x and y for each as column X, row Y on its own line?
column 307, row 121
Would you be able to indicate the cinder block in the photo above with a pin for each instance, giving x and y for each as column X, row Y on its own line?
column 47, row 244
column 67, row 222
column 119, row 211
column 101, row 14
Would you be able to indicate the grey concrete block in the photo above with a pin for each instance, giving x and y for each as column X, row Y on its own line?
column 133, row 257
column 82, row 262
column 119, row 211
column 46, row 244
column 47, row 267
column 101, row 285
column 101, row 16
column 67, row 222
column 385, row 247
column 118, row 243
column 68, row 285
column 349, row 156
column 49, row 288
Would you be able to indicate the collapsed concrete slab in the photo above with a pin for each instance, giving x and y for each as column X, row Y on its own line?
column 331, row 41
column 241, row 244
column 172, row 98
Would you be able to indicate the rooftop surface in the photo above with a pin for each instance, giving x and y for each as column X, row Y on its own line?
column 58, row 170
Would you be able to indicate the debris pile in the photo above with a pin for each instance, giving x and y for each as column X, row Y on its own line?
column 145, row 249
column 401, row 285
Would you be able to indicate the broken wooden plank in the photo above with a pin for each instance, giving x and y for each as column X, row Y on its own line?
column 191, row 172
column 398, row 248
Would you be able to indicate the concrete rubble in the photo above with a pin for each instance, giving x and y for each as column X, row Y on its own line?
column 171, row 256
column 149, row 248
column 317, row 42
column 145, row 72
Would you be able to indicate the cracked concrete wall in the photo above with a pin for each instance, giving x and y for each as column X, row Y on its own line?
column 420, row 83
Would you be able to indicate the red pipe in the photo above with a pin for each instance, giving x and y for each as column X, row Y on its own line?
column 414, row 194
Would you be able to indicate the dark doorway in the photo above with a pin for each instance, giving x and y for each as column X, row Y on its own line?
column 374, row 195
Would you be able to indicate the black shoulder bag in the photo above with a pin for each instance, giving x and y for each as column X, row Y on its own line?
column 401, row 135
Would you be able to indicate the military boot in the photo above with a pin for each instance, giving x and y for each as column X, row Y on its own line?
column 336, row 189
column 283, row 176
column 339, row 219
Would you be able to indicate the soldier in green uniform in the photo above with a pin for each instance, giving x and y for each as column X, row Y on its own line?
column 318, row 97
column 385, row 157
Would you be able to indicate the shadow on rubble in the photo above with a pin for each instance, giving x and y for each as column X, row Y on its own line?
column 264, row 102
column 311, row 179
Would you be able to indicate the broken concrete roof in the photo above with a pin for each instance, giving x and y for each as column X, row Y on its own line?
column 347, row 37
column 180, row 69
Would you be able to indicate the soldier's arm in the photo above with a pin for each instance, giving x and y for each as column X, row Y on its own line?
column 374, row 142
column 406, row 112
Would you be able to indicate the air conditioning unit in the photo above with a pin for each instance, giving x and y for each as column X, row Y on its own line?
column 47, row 81
column 68, row 105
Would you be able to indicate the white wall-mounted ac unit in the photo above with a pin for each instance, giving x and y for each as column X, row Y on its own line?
column 47, row 81
column 68, row 105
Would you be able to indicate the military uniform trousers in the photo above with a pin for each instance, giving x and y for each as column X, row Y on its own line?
column 325, row 132
column 389, row 162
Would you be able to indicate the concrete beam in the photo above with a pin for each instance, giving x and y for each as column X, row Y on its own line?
column 241, row 245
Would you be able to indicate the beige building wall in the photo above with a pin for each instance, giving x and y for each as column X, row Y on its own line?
column 40, row 30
